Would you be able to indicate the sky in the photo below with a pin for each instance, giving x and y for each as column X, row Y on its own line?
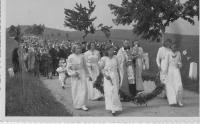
column 51, row 14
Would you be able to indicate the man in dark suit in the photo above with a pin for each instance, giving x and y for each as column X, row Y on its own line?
column 84, row 46
column 61, row 52
column 53, row 52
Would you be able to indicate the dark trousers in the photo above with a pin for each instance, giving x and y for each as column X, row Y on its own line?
column 55, row 65
column 132, row 89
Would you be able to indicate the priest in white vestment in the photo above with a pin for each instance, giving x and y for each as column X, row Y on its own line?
column 123, row 61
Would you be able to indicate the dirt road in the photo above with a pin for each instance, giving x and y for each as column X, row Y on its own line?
column 157, row 107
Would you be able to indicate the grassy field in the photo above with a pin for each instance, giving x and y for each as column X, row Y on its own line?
column 27, row 96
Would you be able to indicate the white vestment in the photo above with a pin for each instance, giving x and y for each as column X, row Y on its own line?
column 123, row 70
column 161, row 61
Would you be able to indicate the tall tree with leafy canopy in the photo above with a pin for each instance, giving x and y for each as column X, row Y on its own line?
column 191, row 8
column 151, row 17
column 12, row 31
column 80, row 18
column 105, row 30
column 15, row 31
column 18, row 36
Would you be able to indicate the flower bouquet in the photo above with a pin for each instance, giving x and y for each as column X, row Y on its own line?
column 98, row 84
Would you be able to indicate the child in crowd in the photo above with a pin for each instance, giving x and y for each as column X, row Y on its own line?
column 62, row 72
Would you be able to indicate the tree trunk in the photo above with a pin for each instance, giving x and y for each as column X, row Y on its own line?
column 163, row 36
column 85, row 36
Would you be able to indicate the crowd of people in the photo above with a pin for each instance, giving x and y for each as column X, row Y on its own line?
column 83, row 62
column 42, row 56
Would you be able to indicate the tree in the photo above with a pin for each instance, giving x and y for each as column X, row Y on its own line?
column 151, row 17
column 38, row 29
column 35, row 29
column 28, row 30
column 18, row 36
column 191, row 8
column 80, row 19
column 12, row 31
column 15, row 31
column 105, row 30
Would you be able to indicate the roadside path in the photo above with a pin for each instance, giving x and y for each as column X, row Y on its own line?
column 156, row 107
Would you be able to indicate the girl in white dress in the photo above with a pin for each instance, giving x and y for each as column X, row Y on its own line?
column 109, row 65
column 174, row 86
column 76, row 68
column 62, row 72
column 92, row 57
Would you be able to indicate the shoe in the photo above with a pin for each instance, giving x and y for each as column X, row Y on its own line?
column 114, row 114
column 101, row 99
column 180, row 104
column 84, row 108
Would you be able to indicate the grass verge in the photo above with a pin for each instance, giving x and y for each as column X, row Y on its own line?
column 27, row 96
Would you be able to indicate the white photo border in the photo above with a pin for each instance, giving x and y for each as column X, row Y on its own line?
column 67, row 119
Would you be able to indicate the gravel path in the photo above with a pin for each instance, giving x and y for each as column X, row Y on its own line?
column 157, row 107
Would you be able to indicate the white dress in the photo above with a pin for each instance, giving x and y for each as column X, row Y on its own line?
column 78, row 84
column 111, row 92
column 61, row 71
column 161, row 61
column 92, row 58
column 174, row 82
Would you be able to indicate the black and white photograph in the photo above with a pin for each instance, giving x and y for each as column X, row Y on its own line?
column 100, row 58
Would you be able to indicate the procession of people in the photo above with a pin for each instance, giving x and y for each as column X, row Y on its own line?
column 82, row 63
